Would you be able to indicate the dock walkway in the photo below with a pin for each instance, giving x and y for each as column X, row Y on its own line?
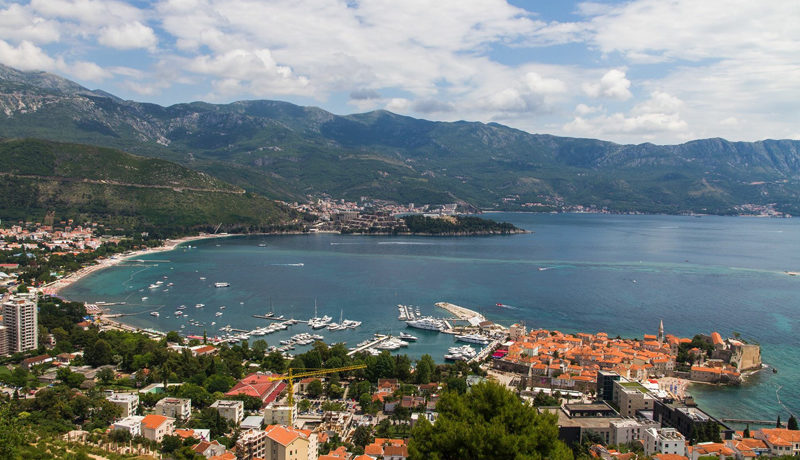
column 485, row 352
column 369, row 345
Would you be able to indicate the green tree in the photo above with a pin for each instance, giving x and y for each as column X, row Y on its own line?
column 170, row 444
column 314, row 388
column 792, row 423
column 304, row 405
column 99, row 353
column 489, row 422
column 106, row 375
column 362, row 436
column 274, row 362
column 174, row 337
column 219, row 382
column 424, row 370
column 12, row 433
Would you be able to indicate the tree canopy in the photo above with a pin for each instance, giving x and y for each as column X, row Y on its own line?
column 488, row 422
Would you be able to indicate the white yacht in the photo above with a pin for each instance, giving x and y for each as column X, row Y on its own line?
column 221, row 284
column 428, row 323
column 473, row 338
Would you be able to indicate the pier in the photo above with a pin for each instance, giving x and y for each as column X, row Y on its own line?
column 280, row 320
column 489, row 349
column 369, row 345
column 754, row 422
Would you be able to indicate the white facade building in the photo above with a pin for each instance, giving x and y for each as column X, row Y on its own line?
column 20, row 317
column 232, row 411
column 128, row 402
column 665, row 441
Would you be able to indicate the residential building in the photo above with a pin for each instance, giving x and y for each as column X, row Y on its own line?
column 387, row 449
column 780, row 441
column 209, row 449
column 605, row 384
column 177, row 408
column 251, row 422
column 286, row 444
column 631, row 397
column 20, row 317
column 132, row 424
column 252, row 444
column 230, row 410
column 628, row 430
column 128, row 402
column 259, row 385
column 665, row 441
column 686, row 417
column 4, row 340
column 711, row 449
column 572, row 429
column 277, row 414
column 155, row 427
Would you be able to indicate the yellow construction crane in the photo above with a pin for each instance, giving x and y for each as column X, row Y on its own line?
column 308, row 372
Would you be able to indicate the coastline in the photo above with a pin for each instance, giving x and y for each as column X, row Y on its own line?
column 56, row 286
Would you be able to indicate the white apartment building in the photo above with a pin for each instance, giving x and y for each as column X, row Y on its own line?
column 131, row 424
column 128, row 402
column 177, row 408
column 20, row 317
column 665, row 441
column 232, row 411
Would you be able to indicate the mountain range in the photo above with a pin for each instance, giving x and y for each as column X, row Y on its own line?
column 284, row 151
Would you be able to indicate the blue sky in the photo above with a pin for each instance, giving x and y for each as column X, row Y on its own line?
column 662, row 71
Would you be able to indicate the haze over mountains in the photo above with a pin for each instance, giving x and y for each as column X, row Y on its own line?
column 285, row 151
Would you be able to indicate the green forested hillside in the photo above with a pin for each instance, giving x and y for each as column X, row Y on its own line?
column 85, row 182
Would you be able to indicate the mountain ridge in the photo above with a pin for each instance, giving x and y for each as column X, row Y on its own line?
column 291, row 152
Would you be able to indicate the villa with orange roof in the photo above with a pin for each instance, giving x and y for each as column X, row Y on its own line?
column 780, row 441
column 155, row 427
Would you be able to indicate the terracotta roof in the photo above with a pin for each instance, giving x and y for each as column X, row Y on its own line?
column 716, row 339
column 153, row 421
column 225, row 456
column 373, row 449
column 259, row 386
column 189, row 433
column 282, row 435
column 670, row 457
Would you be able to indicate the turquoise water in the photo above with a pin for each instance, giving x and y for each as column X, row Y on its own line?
column 617, row 274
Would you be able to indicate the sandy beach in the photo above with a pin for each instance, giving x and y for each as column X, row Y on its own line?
column 56, row 286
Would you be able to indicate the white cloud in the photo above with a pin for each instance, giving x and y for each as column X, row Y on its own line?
column 583, row 109
column 88, row 12
column 128, row 36
column 613, row 85
column 248, row 72
column 19, row 23
column 656, row 116
column 27, row 56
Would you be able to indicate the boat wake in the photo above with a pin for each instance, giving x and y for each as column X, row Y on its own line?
column 508, row 307
column 289, row 265
column 406, row 243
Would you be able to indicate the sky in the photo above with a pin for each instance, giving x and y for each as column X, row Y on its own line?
column 662, row 71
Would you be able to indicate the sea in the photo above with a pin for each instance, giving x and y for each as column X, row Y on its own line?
column 619, row 274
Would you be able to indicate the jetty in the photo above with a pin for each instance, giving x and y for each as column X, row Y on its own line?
column 371, row 344
column 751, row 422
column 462, row 314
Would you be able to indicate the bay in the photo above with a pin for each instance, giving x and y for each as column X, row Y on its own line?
column 575, row 272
